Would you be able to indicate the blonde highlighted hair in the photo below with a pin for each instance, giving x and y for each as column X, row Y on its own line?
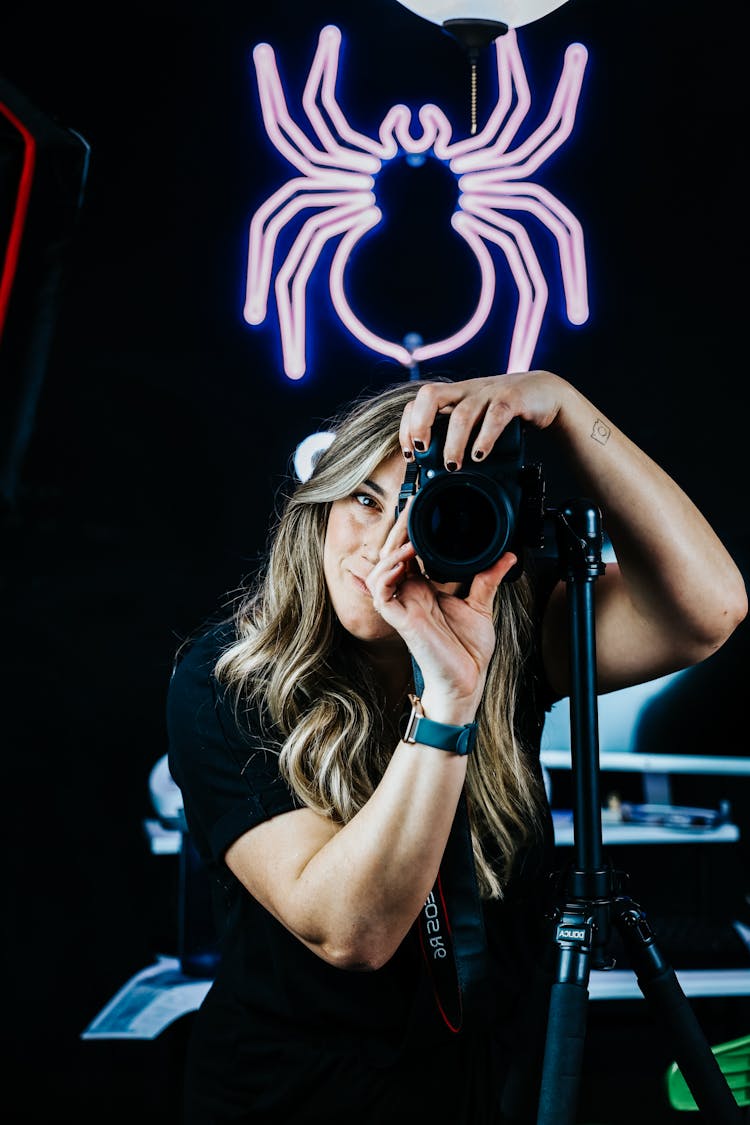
column 308, row 678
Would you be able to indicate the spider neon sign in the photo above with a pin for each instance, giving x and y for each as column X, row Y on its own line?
column 337, row 185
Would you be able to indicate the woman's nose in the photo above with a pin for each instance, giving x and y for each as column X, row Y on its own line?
column 371, row 552
column 376, row 537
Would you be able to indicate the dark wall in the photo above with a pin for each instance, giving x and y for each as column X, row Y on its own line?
column 165, row 424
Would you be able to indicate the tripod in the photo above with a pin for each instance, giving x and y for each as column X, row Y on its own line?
column 591, row 893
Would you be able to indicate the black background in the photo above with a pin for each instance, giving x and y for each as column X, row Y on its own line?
column 165, row 426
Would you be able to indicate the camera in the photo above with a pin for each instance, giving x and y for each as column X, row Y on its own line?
column 462, row 522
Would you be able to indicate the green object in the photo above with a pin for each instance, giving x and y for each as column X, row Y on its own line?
column 734, row 1062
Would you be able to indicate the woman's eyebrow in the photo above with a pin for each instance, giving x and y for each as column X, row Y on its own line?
column 375, row 487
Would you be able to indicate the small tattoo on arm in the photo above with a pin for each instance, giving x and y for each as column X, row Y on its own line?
column 601, row 432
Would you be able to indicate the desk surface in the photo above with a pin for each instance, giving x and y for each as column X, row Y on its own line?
column 159, row 994
column 616, row 832
column 624, row 761
column 164, row 841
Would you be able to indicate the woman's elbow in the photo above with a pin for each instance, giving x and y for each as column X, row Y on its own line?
column 741, row 605
column 353, row 962
column 359, row 953
column 719, row 625
column 734, row 610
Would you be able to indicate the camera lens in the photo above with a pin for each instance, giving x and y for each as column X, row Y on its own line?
column 460, row 525
column 458, row 522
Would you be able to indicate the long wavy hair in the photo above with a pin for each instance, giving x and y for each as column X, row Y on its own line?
column 296, row 666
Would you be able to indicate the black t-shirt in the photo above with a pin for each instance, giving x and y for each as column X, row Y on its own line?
column 284, row 1036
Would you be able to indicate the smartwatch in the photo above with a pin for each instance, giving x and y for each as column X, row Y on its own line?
column 443, row 736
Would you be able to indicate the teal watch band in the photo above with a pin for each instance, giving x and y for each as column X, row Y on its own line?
column 443, row 736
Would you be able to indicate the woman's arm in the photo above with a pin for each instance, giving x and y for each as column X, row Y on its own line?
column 351, row 893
column 675, row 594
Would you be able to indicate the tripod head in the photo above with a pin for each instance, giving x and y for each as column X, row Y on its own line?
column 578, row 528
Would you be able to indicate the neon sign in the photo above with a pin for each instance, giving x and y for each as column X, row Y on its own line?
column 337, row 184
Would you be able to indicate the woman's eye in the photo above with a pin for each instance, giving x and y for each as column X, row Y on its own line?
column 365, row 499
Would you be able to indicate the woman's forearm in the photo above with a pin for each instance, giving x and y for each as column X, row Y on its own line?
column 357, row 897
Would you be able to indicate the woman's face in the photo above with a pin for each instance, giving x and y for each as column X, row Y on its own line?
column 357, row 528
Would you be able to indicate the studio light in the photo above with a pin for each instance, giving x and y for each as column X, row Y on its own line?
column 511, row 13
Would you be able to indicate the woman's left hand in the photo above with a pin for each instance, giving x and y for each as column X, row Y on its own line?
column 487, row 404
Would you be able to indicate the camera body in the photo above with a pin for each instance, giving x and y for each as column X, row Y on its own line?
column 462, row 522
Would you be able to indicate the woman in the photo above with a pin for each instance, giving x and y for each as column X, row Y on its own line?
column 328, row 834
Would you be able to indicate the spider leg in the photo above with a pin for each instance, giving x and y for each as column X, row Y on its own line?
column 513, row 240
column 547, row 137
column 275, row 213
column 294, row 274
column 321, row 83
column 489, row 191
column 511, row 80
column 284, row 132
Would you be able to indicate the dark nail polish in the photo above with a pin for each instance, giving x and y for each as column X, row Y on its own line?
column 419, row 445
column 408, row 454
column 478, row 454
column 451, row 466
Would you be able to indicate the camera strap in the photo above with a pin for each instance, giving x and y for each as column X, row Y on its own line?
column 451, row 924
column 409, row 486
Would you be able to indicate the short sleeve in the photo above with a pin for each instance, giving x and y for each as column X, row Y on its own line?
column 227, row 773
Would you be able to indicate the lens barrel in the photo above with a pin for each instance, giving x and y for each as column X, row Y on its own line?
column 460, row 524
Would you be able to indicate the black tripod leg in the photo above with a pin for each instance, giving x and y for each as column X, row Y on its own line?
column 659, row 985
column 566, row 1022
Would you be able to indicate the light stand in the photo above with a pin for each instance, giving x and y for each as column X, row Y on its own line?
column 591, row 892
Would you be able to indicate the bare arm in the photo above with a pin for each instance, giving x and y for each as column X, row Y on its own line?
column 675, row 595
column 351, row 893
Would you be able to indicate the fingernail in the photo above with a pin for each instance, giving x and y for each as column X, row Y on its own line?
column 451, row 466
column 408, row 454
column 419, row 445
column 478, row 454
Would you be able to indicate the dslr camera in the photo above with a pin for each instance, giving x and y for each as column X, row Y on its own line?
column 462, row 522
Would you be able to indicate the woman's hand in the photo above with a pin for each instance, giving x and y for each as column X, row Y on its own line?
column 451, row 637
column 489, row 403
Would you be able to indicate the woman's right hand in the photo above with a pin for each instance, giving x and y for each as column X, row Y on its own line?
column 451, row 637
